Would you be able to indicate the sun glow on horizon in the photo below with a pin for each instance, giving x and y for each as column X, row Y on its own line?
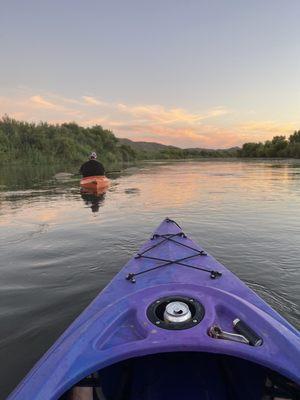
column 217, row 127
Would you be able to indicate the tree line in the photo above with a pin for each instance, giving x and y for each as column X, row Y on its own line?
column 44, row 142
column 279, row 146
column 70, row 142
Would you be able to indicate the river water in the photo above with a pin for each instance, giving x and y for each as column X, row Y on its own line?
column 59, row 248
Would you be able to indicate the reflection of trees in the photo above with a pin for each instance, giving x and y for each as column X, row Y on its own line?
column 27, row 176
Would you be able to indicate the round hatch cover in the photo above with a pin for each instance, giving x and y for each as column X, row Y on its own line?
column 175, row 313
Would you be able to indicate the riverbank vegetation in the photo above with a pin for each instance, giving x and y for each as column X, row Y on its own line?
column 43, row 142
column 71, row 143
column 278, row 147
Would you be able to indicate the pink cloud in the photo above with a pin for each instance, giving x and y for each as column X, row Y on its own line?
column 161, row 115
column 217, row 127
column 39, row 101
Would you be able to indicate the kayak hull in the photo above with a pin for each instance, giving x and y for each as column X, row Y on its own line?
column 116, row 326
column 94, row 183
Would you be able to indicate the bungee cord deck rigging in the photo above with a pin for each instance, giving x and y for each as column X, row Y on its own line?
column 170, row 237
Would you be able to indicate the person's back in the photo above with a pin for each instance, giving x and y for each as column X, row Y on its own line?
column 92, row 167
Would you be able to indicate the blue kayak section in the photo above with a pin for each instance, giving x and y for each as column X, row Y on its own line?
column 116, row 327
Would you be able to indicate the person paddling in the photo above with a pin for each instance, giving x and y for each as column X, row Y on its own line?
column 92, row 167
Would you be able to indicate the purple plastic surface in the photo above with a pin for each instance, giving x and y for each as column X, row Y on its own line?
column 115, row 326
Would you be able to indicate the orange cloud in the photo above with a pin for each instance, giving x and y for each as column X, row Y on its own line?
column 217, row 127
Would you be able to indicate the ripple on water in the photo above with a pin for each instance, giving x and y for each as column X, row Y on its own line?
column 58, row 251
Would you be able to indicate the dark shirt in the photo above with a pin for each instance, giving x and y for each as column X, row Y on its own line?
column 92, row 168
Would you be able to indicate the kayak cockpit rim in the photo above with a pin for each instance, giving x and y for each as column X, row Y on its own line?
column 224, row 377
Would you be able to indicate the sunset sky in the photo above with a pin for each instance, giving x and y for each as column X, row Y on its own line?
column 192, row 73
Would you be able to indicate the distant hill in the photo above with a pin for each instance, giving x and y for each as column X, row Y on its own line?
column 158, row 150
column 146, row 146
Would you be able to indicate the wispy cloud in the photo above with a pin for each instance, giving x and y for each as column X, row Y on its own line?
column 214, row 128
column 93, row 101
column 36, row 107
column 162, row 115
column 41, row 102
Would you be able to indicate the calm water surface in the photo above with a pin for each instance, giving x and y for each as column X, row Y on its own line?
column 59, row 248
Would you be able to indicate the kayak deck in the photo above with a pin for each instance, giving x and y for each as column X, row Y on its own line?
column 94, row 183
column 117, row 327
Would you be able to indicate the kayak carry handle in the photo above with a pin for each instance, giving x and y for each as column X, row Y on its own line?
column 243, row 329
column 171, row 220
column 217, row 333
column 244, row 334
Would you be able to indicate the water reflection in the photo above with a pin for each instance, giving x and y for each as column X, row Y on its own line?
column 22, row 177
column 93, row 200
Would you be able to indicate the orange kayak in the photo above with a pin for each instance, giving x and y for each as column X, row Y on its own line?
column 94, row 183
